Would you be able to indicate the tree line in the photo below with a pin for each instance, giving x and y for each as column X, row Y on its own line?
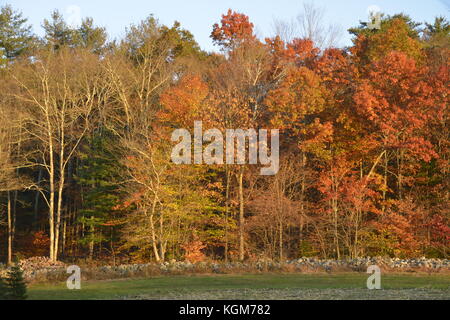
column 85, row 141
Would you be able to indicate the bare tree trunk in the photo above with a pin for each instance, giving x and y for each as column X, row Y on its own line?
column 61, row 181
column 334, row 202
column 36, row 200
column 280, row 239
column 14, row 214
column 91, row 243
column 162, row 244
column 336, row 233
column 152, row 230
column 113, row 252
column 241, row 214
column 63, row 244
column 227, row 208
column 10, row 230
column 302, row 199
column 58, row 213
column 400, row 177
column 51, row 211
column 385, row 181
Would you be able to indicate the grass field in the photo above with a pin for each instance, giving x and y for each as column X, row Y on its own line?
column 263, row 286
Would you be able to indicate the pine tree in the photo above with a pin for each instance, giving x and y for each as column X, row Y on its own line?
column 57, row 33
column 91, row 37
column 16, row 36
column 98, row 178
column 17, row 288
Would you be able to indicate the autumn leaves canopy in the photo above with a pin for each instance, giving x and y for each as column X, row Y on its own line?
column 364, row 143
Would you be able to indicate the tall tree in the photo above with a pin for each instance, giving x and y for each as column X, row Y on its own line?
column 235, row 29
column 397, row 33
column 90, row 36
column 10, row 162
column 99, row 179
column 57, row 32
column 16, row 36
column 58, row 95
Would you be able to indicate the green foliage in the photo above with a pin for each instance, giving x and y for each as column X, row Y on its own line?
column 380, row 244
column 90, row 37
column 397, row 33
column 386, row 21
column 140, row 40
column 16, row 288
column 182, row 41
column 151, row 39
column 210, row 287
column 15, row 35
column 3, row 59
column 58, row 34
column 98, row 177
column 437, row 34
column 440, row 26
column 306, row 249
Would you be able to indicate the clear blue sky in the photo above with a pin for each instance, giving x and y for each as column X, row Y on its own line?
column 199, row 15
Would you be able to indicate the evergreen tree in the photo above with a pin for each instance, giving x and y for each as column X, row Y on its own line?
column 98, row 178
column 16, row 36
column 17, row 288
column 397, row 33
column 90, row 37
column 57, row 33
column 440, row 26
column 182, row 42
column 3, row 59
column 3, row 289
column 437, row 34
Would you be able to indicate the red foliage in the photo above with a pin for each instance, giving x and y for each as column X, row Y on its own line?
column 397, row 101
column 234, row 29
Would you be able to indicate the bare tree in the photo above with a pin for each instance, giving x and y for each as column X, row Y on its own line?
column 277, row 206
column 312, row 26
column 286, row 30
column 58, row 93
column 10, row 181
column 309, row 24
column 136, row 74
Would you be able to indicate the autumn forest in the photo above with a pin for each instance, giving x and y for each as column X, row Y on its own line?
column 85, row 141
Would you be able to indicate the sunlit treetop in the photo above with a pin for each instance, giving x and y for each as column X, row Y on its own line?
column 234, row 29
column 397, row 33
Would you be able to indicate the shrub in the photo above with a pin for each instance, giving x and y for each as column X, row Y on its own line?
column 16, row 286
column 193, row 251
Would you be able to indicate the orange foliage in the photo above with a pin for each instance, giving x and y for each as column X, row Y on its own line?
column 193, row 251
column 234, row 29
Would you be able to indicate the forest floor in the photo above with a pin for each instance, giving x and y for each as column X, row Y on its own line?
column 246, row 286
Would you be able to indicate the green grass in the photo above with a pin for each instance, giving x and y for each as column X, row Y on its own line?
column 262, row 286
